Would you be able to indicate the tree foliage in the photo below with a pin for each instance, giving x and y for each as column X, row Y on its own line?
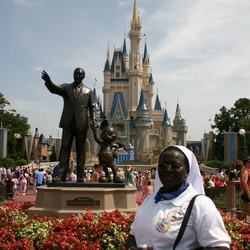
column 232, row 120
column 16, row 125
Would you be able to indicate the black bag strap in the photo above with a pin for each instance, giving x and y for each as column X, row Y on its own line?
column 185, row 221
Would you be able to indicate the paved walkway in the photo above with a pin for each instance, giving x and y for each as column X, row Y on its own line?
column 31, row 197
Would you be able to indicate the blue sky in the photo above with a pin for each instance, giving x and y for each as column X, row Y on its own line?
column 199, row 53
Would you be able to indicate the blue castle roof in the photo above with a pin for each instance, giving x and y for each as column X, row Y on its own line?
column 118, row 97
column 157, row 103
column 119, row 55
column 142, row 104
column 125, row 53
column 145, row 57
column 165, row 119
column 106, row 67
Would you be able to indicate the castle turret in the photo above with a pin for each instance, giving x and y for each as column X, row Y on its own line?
column 135, row 71
column 142, row 123
column 179, row 127
column 166, row 120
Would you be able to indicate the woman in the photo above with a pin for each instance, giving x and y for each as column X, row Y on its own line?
column 96, row 175
column 245, row 188
column 158, row 219
column 22, row 184
column 130, row 178
column 149, row 189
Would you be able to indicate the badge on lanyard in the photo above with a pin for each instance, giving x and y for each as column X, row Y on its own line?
column 163, row 225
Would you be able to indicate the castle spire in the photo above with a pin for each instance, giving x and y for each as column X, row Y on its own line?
column 145, row 56
column 108, row 55
column 178, row 112
column 107, row 64
column 142, row 104
column 136, row 18
column 166, row 119
column 125, row 52
column 157, row 102
column 151, row 80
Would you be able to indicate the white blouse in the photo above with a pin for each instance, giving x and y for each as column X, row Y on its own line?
column 157, row 224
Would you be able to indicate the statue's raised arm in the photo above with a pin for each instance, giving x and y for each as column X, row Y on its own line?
column 45, row 76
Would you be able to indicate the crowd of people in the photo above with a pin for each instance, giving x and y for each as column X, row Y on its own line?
column 215, row 180
column 23, row 178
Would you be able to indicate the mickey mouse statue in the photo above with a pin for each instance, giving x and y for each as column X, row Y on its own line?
column 108, row 151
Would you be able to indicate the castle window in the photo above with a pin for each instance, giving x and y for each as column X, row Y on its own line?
column 117, row 74
column 117, row 67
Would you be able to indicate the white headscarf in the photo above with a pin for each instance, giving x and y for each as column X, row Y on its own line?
column 194, row 175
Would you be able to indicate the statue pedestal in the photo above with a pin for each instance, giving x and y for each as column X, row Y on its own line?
column 63, row 199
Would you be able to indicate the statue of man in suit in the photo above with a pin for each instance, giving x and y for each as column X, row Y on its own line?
column 78, row 101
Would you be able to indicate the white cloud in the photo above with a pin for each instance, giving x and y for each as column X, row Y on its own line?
column 25, row 2
column 38, row 68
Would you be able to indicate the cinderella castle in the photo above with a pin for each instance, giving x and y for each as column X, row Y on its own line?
column 142, row 126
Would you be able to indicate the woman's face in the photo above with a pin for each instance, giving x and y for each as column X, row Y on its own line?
column 172, row 169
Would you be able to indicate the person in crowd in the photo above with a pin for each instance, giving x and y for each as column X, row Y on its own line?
column 149, row 189
column 148, row 176
column 22, row 184
column 152, row 174
column 16, row 182
column 208, row 183
column 45, row 174
column 39, row 176
column 33, row 181
column 9, row 187
column 177, row 181
column 219, row 181
column 96, row 175
column 73, row 175
column 130, row 178
column 245, row 188
column 3, row 174
column 140, row 181
column 9, row 171
column 49, row 176
column 120, row 174
column 203, row 175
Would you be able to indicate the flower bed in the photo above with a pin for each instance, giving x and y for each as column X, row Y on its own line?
column 107, row 230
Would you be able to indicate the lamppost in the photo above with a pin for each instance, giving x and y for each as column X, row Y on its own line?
column 242, row 140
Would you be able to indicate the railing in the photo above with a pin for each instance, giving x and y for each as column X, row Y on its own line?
column 226, row 198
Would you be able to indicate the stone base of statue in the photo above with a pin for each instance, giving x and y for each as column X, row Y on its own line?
column 63, row 199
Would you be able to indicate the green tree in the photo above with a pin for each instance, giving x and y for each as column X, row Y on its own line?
column 233, row 120
column 17, row 125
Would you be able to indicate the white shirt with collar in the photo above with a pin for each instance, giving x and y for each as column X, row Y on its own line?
column 205, row 226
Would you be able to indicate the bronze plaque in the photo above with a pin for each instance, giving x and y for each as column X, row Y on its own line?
column 83, row 202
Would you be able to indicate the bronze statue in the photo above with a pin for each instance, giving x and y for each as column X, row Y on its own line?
column 78, row 101
column 108, row 151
